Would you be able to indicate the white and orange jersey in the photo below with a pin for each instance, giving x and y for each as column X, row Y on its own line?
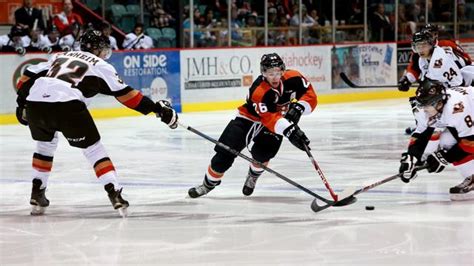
column 457, row 116
column 413, row 68
column 73, row 76
column 444, row 65
column 268, row 105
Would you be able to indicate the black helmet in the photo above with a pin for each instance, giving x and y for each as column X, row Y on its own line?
column 422, row 37
column 270, row 61
column 430, row 92
column 93, row 41
column 431, row 28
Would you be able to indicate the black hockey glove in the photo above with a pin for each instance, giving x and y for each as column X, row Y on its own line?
column 167, row 113
column 295, row 110
column 296, row 137
column 437, row 161
column 21, row 116
column 404, row 84
column 407, row 168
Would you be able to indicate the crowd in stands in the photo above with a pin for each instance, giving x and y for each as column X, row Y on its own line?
column 61, row 32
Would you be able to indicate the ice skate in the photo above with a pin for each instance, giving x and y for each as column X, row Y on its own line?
column 202, row 189
column 38, row 200
column 463, row 191
column 249, row 185
column 116, row 199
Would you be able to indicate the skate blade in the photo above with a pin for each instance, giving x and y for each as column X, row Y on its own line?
column 462, row 197
column 123, row 212
column 37, row 210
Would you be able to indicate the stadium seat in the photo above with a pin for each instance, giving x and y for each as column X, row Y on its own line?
column 170, row 35
column 155, row 34
column 122, row 18
column 134, row 10
column 93, row 4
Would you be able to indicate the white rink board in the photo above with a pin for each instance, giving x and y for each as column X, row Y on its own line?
column 226, row 74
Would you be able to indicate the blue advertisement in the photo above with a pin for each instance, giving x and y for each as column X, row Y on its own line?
column 156, row 74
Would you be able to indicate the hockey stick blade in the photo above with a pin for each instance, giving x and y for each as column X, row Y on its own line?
column 351, row 84
column 344, row 202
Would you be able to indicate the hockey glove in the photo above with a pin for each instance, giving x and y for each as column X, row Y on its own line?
column 294, row 113
column 296, row 137
column 404, row 84
column 167, row 113
column 437, row 161
column 21, row 115
column 407, row 168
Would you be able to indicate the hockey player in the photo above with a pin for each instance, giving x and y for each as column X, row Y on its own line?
column 412, row 72
column 275, row 103
column 52, row 98
column 453, row 111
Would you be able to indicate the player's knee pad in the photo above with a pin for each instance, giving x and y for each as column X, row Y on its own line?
column 234, row 135
column 95, row 152
column 222, row 161
column 266, row 146
column 47, row 148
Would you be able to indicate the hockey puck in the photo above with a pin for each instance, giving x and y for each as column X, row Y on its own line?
column 369, row 208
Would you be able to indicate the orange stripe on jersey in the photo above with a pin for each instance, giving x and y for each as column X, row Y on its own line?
column 131, row 99
column 435, row 136
column 412, row 141
column 464, row 160
column 41, row 165
column 214, row 173
column 22, row 80
column 467, row 145
column 103, row 167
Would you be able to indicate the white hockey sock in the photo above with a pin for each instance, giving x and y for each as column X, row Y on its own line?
column 43, row 176
column 43, row 160
column 110, row 177
column 102, row 164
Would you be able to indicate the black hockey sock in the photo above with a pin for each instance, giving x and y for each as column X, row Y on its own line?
column 210, row 183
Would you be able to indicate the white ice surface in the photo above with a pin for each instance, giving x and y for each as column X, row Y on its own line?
column 412, row 224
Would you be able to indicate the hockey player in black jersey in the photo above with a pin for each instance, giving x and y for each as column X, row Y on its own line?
column 53, row 97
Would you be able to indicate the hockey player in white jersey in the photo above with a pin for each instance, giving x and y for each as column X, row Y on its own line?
column 441, row 63
column 452, row 111
column 52, row 98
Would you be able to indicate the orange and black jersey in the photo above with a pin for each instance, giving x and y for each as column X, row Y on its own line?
column 268, row 105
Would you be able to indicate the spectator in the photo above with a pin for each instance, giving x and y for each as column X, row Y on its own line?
column 272, row 17
column 381, row 28
column 35, row 41
column 198, row 35
column 65, row 20
column 137, row 39
column 106, row 31
column 27, row 15
column 51, row 39
column 257, row 35
column 13, row 42
column 160, row 18
column 71, row 42
column 306, row 22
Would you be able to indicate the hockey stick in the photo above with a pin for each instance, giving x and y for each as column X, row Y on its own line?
column 236, row 153
column 320, row 173
column 346, row 79
column 350, row 193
